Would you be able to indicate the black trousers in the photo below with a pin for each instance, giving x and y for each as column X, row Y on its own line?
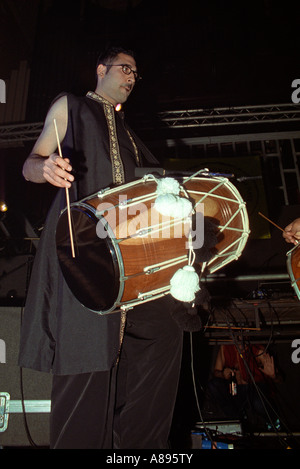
column 130, row 406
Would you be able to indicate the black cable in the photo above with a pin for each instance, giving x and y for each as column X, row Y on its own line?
column 206, row 429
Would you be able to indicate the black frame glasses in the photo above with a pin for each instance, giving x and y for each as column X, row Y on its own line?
column 126, row 69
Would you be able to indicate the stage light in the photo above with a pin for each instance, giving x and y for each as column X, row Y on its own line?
column 3, row 206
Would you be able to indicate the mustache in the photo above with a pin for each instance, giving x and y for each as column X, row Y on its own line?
column 129, row 86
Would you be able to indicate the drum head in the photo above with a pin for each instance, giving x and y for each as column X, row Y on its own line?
column 93, row 275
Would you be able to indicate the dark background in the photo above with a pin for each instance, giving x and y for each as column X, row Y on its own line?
column 191, row 55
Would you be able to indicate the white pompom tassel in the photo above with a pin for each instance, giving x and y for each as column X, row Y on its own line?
column 183, row 208
column 173, row 206
column 168, row 202
column 185, row 284
column 167, row 186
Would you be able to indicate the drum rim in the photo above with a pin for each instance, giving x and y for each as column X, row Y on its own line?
column 290, row 271
column 117, row 255
column 113, row 249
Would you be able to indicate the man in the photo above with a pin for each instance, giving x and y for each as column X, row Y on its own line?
column 242, row 376
column 114, row 377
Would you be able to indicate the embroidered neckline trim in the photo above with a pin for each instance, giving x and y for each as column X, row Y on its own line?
column 97, row 97
column 117, row 164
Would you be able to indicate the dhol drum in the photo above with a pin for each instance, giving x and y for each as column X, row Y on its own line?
column 293, row 268
column 126, row 252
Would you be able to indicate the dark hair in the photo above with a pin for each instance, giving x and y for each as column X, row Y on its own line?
column 111, row 53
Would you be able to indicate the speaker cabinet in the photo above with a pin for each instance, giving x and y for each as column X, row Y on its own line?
column 25, row 393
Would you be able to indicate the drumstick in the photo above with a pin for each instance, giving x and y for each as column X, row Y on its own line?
column 296, row 241
column 67, row 194
column 270, row 221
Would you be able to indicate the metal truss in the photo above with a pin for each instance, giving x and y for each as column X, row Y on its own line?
column 16, row 134
column 231, row 116
column 274, row 113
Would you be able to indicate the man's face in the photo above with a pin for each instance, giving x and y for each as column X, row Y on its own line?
column 114, row 85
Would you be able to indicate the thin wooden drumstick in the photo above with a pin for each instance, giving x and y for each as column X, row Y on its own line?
column 67, row 194
column 270, row 221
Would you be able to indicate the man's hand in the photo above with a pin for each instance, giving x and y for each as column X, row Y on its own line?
column 266, row 365
column 56, row 171
column 227, row 373
column 292, row 232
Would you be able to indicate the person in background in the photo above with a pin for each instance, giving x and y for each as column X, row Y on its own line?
column 242, row 376
column 291, row 232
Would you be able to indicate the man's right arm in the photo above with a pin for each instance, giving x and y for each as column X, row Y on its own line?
column 44, row 164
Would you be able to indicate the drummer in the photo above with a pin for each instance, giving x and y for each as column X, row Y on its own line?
column 115, row 376
column 291, row 232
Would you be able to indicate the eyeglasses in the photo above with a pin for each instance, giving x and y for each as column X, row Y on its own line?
column 126, row 69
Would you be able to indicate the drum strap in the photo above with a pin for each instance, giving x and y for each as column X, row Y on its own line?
column 116, row 160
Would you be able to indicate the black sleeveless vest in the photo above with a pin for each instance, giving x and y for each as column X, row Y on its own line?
column 58, row 334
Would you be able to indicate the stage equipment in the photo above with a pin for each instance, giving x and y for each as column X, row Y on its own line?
column 25, row 395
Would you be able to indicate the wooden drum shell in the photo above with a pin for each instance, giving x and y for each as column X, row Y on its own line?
column 145, row 247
